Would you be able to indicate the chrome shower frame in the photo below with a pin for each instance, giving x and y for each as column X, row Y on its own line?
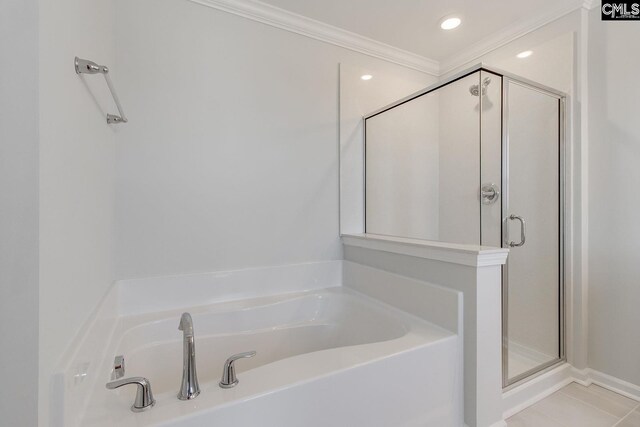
column 509, row 383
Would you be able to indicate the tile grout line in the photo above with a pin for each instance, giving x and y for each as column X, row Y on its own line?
column 630, row 412
column 544, row 415
column 607, row 398
column 593, row 406
column 589, row 404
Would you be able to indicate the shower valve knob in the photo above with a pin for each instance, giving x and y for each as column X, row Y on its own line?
column 489, row 194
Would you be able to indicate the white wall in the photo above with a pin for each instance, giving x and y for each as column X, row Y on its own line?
column 19, row 213
column 359, row 98
column 76, row 175
column 614, row 199
column 230, row 158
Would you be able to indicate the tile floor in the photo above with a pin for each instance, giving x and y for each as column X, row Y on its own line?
column 579, row 406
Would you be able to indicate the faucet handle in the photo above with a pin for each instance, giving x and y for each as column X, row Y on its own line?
column 144, row 396
column 118, row 368
column 229, row 378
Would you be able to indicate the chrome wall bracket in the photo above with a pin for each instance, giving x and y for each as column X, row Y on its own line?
column 84, row 66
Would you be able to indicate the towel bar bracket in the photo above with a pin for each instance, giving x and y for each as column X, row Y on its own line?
column 84, row 66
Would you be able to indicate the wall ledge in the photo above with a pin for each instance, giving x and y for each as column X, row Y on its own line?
column 470, row 255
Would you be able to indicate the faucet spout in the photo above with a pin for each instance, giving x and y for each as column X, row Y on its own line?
column 189, row 388
column 186, row 325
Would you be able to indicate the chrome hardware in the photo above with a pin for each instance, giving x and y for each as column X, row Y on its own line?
column 144, row 397
column 475, row 89
column 523, row 231
column 189, row 388
column 229, row 378
column 118, row 368
column 112, row 118
column 84, row 66
column 489, row 194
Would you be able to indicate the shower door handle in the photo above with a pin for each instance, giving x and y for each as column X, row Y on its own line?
column 523, row 231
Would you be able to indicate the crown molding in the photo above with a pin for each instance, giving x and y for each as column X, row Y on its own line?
column 298, row 24
column 590, row 4
column 289, row 21
column 509, row 34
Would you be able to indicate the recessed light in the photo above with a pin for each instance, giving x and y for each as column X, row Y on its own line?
column 366, row 77
column 525, row 54
column 449, row 23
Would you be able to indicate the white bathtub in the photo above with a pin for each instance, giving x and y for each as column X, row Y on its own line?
column 328, row 357
column 277, row 328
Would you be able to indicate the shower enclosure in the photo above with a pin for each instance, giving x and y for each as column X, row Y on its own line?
column 478, row 159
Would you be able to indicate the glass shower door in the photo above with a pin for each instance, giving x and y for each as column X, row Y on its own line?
column 422, row 165
column 531, row 228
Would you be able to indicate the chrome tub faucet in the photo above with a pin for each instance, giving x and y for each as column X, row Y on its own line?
column 189, row 389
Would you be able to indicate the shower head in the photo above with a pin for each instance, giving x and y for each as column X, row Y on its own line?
column 475, row 90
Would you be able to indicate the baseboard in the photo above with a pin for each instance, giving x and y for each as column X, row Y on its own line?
column 581, row 376
column 614, row 384
column 531, row 392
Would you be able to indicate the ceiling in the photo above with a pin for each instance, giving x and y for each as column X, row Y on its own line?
column 413, row 25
